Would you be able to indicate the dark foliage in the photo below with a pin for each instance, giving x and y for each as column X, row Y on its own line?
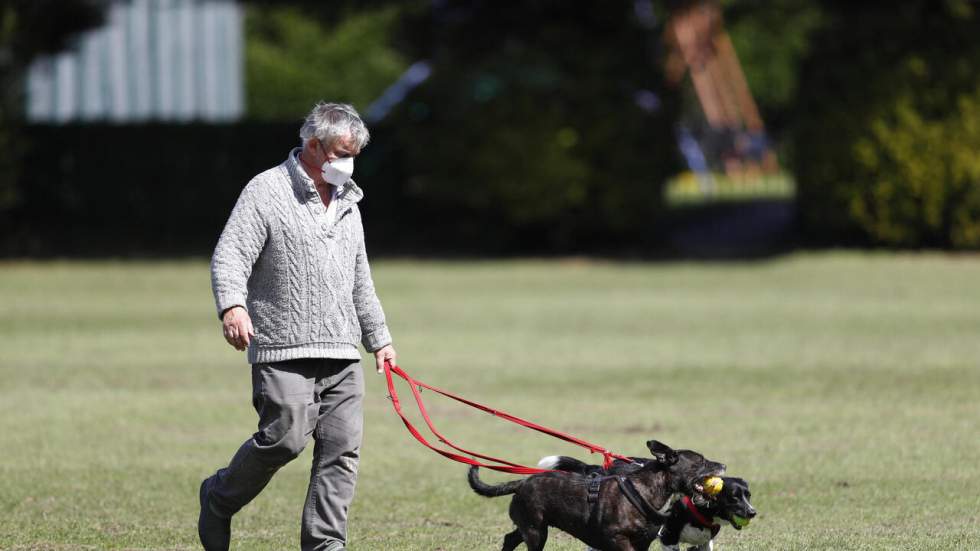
column 528, row 135
column 29, row 28
column 887, row 126
column 156, row 189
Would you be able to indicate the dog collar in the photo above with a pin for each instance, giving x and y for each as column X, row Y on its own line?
column 704, row 521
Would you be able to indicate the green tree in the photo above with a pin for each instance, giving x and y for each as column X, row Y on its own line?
column 297, row 54
column 886, row 137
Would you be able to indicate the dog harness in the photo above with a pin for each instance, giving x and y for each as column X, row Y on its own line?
column 595, row 485
column 629, row 490
column 632, row 495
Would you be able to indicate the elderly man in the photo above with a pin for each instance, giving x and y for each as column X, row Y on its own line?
column 292, row 286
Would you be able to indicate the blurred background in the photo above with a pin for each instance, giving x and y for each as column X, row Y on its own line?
column 628, row 127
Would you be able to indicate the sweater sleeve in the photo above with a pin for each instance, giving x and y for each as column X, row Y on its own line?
column 374, row 331
column 239, row 246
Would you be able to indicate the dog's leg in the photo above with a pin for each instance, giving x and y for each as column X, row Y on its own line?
column 512, row 540
column 535, row 537
column 704, row 546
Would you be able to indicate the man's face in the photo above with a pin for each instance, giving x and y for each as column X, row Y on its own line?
column 339, row 149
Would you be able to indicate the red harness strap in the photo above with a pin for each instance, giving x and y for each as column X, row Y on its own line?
column 505, row 466
column 702, row 520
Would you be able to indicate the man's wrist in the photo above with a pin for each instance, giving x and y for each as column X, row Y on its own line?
column 229, row 309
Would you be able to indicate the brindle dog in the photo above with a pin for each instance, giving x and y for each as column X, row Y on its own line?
column 613, row 522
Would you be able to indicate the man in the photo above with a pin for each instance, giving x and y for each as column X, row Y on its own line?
column 292, row 285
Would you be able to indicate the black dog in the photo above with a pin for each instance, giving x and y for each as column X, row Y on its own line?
column 691, row 521
column 614, row 513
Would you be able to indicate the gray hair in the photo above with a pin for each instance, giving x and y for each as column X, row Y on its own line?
column 328, row 122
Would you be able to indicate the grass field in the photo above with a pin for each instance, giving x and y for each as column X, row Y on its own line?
column 845, row 388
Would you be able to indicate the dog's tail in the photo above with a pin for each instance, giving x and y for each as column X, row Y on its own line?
column 564, row 463
column 487, row 490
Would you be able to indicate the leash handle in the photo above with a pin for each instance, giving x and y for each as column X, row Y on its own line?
column 503, row 465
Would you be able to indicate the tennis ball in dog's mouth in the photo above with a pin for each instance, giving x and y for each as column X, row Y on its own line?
column 741, row 522
column 713, row 485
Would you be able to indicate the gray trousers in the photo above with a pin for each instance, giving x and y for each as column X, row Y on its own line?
column 294, row 400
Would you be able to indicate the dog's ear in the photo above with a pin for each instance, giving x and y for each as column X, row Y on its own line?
column 664, row 454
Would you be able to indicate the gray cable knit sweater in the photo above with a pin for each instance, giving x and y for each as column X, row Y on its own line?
column 304, row 279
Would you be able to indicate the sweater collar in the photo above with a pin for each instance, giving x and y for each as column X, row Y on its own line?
column 302, row 182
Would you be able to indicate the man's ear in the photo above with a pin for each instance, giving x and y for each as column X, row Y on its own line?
column 664, row 454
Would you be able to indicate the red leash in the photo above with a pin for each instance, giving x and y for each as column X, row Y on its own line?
column 505, row 466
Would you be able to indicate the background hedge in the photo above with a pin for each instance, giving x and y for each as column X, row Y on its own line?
column 157, row 190
column 547, row 129
column 887, row 130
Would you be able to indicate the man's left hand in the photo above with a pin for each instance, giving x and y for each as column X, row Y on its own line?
column 385, row 353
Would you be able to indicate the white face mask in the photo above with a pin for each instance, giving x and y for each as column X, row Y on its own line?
column 339, row 171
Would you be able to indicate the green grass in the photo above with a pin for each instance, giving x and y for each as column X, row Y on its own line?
column 844, row 387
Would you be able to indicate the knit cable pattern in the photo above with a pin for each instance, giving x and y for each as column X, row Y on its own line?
column 304, row 279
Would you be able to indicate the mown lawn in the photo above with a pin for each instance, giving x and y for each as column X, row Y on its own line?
column 845, row 387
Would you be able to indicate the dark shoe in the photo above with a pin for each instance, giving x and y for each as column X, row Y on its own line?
column 215, row 532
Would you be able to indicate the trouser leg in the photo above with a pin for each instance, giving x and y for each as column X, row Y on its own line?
column 335, row 456
column 283, row 395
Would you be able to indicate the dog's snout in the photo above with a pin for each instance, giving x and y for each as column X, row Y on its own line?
column 751, row 512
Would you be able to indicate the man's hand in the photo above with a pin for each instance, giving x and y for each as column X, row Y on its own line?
column 385, row 353
column 237, row 327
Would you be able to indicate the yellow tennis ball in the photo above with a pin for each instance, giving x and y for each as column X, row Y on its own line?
column 713, row 485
